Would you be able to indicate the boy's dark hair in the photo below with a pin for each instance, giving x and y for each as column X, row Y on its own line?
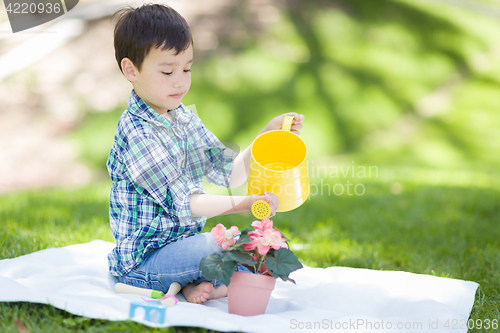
column 140, row 29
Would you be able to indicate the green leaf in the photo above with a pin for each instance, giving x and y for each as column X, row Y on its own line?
column 282, row 264
column 283, row 277
column 286, row 278
column 244, row 238
column 242, row 258
column 214, row 267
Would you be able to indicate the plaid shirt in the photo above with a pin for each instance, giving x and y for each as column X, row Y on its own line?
column 155, row 165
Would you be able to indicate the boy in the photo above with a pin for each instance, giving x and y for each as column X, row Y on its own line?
column 159, row 157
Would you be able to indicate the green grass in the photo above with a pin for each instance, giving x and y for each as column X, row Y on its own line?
column 441, row 223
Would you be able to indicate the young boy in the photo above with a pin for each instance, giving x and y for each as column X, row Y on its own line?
column 160, row 154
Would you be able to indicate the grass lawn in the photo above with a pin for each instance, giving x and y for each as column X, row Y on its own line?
column 436, row 222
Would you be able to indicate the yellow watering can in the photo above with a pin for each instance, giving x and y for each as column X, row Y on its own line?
column 279, row 165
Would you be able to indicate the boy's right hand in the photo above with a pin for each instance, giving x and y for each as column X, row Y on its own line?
column 271, row 199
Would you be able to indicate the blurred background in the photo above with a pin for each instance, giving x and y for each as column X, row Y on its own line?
column 399, row 85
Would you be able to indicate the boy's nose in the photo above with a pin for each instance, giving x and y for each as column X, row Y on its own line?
column 181, row 84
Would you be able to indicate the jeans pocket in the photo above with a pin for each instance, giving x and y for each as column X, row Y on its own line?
column 138, row 279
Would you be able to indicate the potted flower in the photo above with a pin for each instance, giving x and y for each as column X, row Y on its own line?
column 264, row 251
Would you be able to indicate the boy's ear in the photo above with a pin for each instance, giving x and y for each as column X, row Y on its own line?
column 129, row 70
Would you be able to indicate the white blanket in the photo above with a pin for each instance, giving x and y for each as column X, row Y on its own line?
column 76, row 279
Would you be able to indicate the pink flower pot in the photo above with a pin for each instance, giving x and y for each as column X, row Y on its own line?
column 248, row 294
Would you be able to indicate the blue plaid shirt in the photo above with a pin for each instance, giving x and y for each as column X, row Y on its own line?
column 155, row 165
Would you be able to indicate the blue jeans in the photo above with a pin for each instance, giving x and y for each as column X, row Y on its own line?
column 175, row 262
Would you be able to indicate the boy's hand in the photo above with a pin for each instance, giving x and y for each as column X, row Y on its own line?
column 271, row 199
column 277, row 122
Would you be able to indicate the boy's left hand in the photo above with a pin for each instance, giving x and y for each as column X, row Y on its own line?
column 277, row 122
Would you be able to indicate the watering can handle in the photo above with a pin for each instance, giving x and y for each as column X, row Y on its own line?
column 287, row 123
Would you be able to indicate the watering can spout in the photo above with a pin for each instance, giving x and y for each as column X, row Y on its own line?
column 279, row 165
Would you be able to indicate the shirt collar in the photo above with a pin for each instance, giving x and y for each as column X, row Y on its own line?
column 136, row 105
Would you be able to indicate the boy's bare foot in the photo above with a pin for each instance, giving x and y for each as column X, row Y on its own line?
column 200, row 293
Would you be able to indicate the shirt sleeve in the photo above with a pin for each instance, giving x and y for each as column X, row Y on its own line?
column 154, row 173
column 220, row 160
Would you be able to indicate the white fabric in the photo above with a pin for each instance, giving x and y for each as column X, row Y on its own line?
column 75, row 278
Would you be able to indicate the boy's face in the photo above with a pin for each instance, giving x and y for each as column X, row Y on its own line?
column 164, row 79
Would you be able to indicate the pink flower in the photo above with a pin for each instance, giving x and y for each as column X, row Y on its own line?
column 223, row 236
column 233, row 231
column 264, row 240
column 255, row 237
column 271, row 238
column 219, row 232
column 262, row 225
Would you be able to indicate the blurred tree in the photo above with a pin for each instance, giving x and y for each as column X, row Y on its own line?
column 383, row 77
column 387, row 81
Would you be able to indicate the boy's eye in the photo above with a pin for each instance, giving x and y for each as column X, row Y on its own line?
column 187, row 70
column 167, row 73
